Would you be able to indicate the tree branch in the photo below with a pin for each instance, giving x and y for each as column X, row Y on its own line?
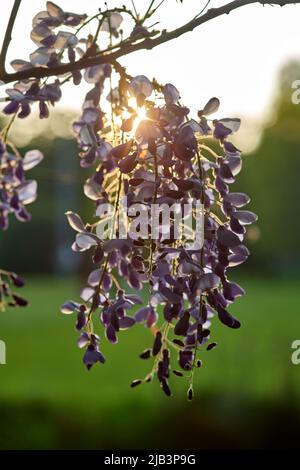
column 148, row 43
column 7, row 37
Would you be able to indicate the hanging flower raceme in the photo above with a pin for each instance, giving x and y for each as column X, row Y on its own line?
column 153, row 156
column 16, row 191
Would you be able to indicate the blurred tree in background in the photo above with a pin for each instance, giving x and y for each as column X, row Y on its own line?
column 271, row 176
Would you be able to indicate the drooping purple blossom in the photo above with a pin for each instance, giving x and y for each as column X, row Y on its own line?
column 163, row 159
column 8, row 296
column 16, row 192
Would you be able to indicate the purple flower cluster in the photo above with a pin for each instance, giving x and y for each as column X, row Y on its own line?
column 53, row 46
column 162, row 158
column 51, row 42
column 16, row 192
column 24, row 94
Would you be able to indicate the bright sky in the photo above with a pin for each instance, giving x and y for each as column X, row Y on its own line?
column 235, row 57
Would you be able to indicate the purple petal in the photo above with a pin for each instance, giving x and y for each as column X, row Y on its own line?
column 227, row 319
column 126, row 322
column 171, row 94
column 228, row 238
column 245, row 217
column 142, row 314
column 31, row 159
column 231, row 291
column 92, row 356
column 237, row 199
column 11, row 107
column 111, row 334
column 69, row 307
column 211, row 106
column 75, row 221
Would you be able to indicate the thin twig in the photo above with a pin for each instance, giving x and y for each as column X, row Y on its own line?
column 135, row 10
column 203, row 9
column 148, row 10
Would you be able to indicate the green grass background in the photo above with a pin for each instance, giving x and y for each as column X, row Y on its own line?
column 49, row 400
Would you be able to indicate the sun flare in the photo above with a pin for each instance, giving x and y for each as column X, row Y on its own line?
column 140, row 114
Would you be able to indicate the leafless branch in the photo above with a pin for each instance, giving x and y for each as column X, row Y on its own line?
column 147, row 43
column 7, row 37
